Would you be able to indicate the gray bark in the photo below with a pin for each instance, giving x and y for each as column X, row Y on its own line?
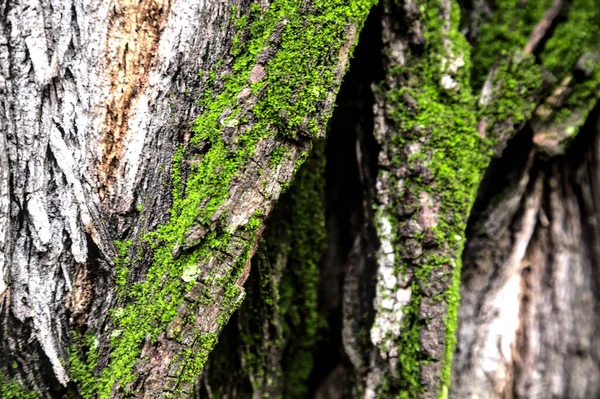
column 95, row 98
column 85, row 91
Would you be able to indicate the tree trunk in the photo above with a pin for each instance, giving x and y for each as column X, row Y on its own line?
column 144, row 145
column 127, row 229
column 529, row 295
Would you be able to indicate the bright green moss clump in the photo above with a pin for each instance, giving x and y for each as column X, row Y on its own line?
column 505, row 33
column 83, row 366
column 293, row 84
column 10, row 389
column 516, row 77
column 571, row 39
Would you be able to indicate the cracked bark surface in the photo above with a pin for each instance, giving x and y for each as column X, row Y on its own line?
column 98, row 150
column 96, row 98
column 57, row 82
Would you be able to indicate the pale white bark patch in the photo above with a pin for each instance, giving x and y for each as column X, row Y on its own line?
column 390, row 299
column 448, row 83
column 36, row 42
column 4, row 209
column 190, row 274
column 428, row 214
column 36, row 207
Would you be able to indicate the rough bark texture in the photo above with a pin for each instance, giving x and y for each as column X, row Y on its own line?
column 82, row 130
column 432, row 156
column 143, row 145
column 111, row 284
column 529, row 315
column 344, row 279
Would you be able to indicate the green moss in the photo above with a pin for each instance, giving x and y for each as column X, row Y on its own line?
column 452, row 298
column 573, row 41
column 254, row 223
column 277, row 156
column 193, row 361
column 505, row 33
column 573, row 38
column 297, row 79
column 443, row 124
column 83, row 362
column 517, row 77
column 11, row 389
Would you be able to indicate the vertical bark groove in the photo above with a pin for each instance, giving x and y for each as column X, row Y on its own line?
column 529, row 311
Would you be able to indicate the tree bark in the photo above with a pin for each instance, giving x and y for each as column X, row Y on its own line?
column 127, row 229
column 529, row 303
column 144, row 146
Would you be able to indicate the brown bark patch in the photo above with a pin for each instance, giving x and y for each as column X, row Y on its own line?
column 81, row 296
column 134, row 30
column 428, row 216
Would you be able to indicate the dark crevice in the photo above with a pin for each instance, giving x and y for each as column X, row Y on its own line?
column 502, row 173
column 351, row 153
column 16, row 360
